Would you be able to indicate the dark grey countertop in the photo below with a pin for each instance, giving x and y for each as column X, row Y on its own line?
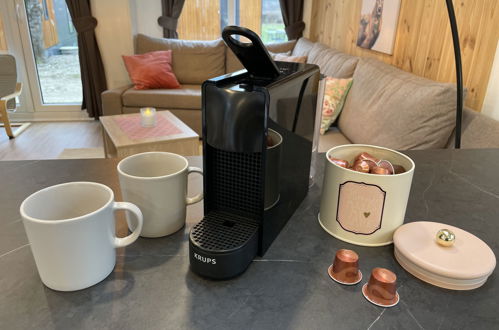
column 152, row 287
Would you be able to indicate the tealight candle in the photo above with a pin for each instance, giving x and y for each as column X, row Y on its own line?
column 148, row 117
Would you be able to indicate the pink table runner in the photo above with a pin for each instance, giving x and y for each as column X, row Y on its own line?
column 130, row 125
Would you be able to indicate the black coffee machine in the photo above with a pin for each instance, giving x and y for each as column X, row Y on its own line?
column 258, row 128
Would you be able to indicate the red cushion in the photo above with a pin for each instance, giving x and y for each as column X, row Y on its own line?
column 151, row 70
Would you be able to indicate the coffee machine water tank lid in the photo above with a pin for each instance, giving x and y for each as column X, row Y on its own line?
column 253, row 55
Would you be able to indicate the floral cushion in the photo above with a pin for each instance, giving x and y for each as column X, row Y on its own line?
column 335, row 93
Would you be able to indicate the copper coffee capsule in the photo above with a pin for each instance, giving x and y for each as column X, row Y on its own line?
column 345, row 269
column 398, row 169
column 386, row 165
column 270, row 142
column 340, row 162
column 361, row 166
column 380, row 170
column 381, row 289
column 366, row 156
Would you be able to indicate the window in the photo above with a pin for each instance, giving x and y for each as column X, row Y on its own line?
column 272, row 24
column 205, row 19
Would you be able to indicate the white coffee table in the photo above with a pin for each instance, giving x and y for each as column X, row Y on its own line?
column 123, row 138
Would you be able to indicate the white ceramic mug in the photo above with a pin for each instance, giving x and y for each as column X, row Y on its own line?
column 157, row 183
column 71, row 229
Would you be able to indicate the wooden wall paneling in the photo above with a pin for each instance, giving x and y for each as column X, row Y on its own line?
column 469, row 16
column 440, row 31
column 423, row 44
column 409, row 29
column 250, row 15
column 485, row 43
column 317, row 19
column 200, row 20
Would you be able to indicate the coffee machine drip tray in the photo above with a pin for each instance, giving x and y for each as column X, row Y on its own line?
column 223, row 245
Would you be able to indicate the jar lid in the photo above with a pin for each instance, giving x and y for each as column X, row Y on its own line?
column 465, row 265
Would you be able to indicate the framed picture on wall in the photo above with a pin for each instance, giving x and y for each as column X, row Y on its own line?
column 378, row 25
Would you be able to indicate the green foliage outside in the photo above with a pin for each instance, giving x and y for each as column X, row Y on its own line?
column 273, row 32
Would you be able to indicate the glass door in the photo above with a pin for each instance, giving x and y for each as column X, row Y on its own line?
column 9, row 45
column 48, row 51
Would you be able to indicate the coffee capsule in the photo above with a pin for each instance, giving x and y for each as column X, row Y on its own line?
column 361, row 166
column 345, row 269
column 398, row 169
column 340, row 162
column 386, row 165
column 381, row 290
column 380, row 170
column 270, row 142
column 366, row 156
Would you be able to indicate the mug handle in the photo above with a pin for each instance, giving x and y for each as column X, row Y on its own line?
column 199, row 197
column 125, row 241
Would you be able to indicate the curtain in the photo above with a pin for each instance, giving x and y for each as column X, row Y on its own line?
column 93, row 78
column 292, row 15
column 169, row 19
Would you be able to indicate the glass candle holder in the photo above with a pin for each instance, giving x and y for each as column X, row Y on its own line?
column 148, row 117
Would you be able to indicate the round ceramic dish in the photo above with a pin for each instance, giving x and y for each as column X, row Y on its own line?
column 465, row 265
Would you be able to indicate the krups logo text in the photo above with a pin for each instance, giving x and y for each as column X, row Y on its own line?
column 205, row 259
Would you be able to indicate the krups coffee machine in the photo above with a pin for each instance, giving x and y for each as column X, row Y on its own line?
column 258, row 128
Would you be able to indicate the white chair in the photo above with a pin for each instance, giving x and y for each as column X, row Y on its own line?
column 9, row 90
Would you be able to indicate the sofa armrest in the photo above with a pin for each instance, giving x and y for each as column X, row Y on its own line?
column 112, row 103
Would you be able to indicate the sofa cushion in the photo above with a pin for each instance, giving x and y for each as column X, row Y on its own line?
column 187, row 97
column 315, row 51
column 335, row 93
column 302, row 47
column 396, row 109
column 193, row 61
column 331, row 139
column 232, row 63
column 151, row 70
column 281, row 47
column 286, row 58
column 273, row 55
column 332, row 62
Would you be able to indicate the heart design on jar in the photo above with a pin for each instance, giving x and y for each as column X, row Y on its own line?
column 367, row 214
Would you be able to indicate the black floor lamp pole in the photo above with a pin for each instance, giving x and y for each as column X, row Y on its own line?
column 459, row 72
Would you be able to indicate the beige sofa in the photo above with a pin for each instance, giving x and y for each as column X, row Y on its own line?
column 385, row 106
column 193, row 62
column 393, row 108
